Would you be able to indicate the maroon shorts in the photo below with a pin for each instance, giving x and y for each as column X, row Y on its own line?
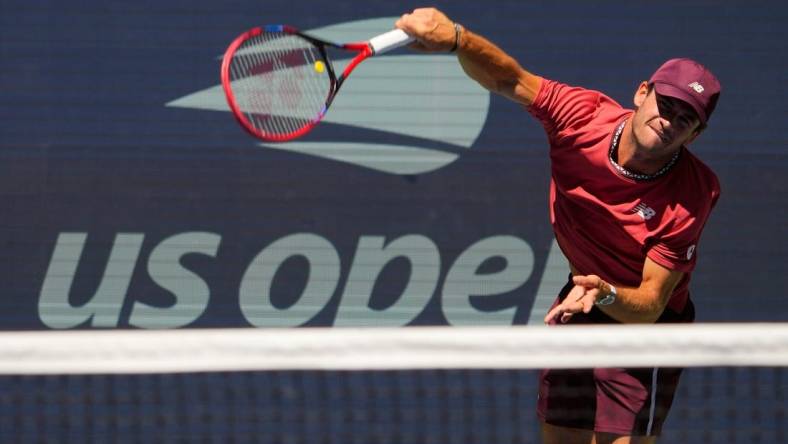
column 633, row 402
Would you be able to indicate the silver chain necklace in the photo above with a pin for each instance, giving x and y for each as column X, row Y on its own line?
column 630, row 174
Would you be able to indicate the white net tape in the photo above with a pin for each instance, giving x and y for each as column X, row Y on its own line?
column 200, row 350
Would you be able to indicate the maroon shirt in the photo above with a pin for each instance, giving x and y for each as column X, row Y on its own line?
column 606, row 223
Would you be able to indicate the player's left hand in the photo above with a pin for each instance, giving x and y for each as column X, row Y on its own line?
column 580, row 298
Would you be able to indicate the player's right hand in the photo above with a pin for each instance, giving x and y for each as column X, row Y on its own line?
column 433, row 31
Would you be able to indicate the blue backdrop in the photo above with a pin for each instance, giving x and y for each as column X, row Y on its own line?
column 130, row 197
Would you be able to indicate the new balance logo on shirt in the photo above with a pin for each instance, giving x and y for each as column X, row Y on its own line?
column 644, row 211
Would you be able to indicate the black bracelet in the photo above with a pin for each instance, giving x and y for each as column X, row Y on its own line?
column 457, row 32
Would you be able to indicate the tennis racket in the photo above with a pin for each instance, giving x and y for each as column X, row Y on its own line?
column 280, row 82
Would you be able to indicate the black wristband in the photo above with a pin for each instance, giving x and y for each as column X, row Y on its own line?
column 457, row 32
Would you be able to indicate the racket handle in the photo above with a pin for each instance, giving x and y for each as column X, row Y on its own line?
column 389, row 40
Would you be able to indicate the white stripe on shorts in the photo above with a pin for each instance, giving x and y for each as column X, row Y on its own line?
column 653, row 400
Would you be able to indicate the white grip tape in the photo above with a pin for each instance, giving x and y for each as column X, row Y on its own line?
column 390, row 40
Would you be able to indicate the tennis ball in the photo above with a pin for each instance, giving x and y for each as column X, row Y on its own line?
column 320, row 66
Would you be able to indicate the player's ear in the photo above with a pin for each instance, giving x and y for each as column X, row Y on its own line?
column 694, row 135
column 640, row 94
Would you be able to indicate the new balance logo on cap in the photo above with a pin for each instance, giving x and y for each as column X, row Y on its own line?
column 697, row 87
column 676, row 76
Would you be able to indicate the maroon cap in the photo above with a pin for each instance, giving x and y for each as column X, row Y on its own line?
column 690, row 82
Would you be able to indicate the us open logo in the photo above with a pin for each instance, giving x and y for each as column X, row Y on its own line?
column 424, row 99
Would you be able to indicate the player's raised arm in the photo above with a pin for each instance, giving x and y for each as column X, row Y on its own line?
column 482, row 60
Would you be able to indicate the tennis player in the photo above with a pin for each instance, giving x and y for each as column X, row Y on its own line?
column 628, row 202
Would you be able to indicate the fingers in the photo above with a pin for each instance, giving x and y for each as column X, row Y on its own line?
column 552, row 314
column 579, row 299
column 576, row 293
column 430, row 27
column 583, row 296
column 588, row 302
column 418, row 46
column 565, row 310
column 590, row 281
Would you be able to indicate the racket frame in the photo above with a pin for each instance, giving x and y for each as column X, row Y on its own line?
column 364, row 50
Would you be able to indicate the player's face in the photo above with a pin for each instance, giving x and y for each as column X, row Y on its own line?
column 662, row 124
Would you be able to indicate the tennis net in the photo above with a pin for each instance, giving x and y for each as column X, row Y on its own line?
column 406, row 385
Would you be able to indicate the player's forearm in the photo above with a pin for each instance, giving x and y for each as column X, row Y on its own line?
column 495, row 70
column 634, row 305
column 642, row 304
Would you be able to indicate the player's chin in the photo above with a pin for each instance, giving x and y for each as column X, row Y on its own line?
column 652, row 141
column 658, row 146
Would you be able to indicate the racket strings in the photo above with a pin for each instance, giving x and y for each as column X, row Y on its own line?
column 280, row 82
